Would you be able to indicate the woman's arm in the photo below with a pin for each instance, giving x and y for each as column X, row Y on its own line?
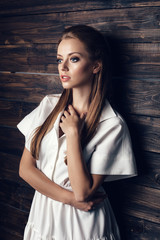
column 39, row 181
column 84, row 184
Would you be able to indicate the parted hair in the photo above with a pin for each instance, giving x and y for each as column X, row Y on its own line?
column 98, row 49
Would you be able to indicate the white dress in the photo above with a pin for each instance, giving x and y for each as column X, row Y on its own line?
column 108, row 153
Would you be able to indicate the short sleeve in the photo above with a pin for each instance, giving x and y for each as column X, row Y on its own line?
column 113, row 155
column 36, row 118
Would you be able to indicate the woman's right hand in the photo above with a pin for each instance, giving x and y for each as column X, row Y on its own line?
column 90, row 205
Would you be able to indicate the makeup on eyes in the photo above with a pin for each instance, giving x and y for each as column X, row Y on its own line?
column 72, row 58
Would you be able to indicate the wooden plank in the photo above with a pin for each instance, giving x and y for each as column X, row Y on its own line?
column 28, row 87
column 28, row 58
column 11, row 141
column 16, row 195
column 140, row 58
column 9, row 167
column 130, row 60
column 148, row 170
column 128, row 24
column 142, row 202
column 141, row 95
column 145, row 132
column 135, row 60
column 135, row 200
column 6, row 234
column 135, row 228
column 13, row 112
column 29, row 7
column 13, row 219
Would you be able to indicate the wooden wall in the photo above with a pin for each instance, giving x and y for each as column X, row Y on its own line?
column 28, row 34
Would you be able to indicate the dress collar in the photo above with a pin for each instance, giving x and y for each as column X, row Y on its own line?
column 56, row 124
column 107, row 112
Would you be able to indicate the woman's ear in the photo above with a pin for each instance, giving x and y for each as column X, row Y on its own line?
column 96, row 67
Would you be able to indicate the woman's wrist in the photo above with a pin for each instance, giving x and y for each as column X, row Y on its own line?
column 69, row 198
column 73, row 134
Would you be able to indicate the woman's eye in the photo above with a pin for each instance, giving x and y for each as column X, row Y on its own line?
column 74, row 59
column 59, row 60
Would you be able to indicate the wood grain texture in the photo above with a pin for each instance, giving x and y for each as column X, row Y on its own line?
column 6, row 234
column 31, row 58
column 135, row 228
column 144, row 204
column 128, row 25
column 131, row 201
column 9, row 167
column 148, row 169
column 11, row 141
column 20, row 195
column 145, row 132
column 29, row 7
column 28, row 87
column 13, row 112
column 141, row 95
column 14, row 220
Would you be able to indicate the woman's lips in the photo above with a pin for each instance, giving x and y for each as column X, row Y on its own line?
column 65, row 78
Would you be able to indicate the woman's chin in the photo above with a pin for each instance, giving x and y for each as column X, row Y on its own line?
column 66, row 87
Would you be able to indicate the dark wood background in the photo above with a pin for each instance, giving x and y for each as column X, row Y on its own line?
column 29, row 31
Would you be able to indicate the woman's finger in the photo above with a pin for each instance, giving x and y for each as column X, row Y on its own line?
column 66, row 114
column 62, row 118
column 71, row 110
column 83, row 116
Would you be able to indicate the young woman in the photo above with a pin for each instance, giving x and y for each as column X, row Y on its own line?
column 74, row 142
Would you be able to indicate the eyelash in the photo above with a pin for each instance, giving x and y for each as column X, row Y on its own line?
column 75, row 58
column 59, row 60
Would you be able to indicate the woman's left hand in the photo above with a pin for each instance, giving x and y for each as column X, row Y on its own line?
column 90, row 205
column 71, row 123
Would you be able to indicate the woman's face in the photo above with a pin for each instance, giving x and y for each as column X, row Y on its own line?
column 75, row 68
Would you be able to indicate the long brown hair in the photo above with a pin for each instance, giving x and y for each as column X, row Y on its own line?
column 98, row 50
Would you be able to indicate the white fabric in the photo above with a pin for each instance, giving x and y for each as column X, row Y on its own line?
column 108, row 153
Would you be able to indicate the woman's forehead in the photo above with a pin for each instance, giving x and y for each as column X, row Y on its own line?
column 71, row 45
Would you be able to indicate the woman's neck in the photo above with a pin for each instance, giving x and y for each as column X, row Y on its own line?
column 81, row 101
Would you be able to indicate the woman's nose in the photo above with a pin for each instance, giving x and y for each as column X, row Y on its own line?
column 64, row 66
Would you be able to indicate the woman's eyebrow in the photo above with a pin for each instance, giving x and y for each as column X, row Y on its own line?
column 71, row 54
